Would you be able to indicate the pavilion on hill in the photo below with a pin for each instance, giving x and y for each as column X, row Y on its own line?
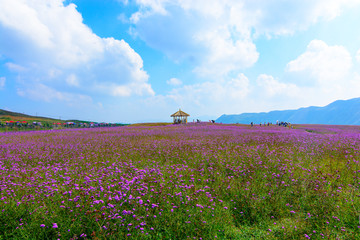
column 180, row 117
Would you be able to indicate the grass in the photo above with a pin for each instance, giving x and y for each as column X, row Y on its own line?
column 206, row 181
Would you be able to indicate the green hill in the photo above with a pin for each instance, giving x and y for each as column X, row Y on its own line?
column 14, row 116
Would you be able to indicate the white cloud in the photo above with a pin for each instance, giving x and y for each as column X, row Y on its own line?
column 216, row 36
column 325, row 64
column 225, row 54
column 149, row 7
column 122, row 91
column 46, row 32
column 2, row 82
column 272, row 87
column 208, row 36
column 72, row 80
column 140, row 89
column 236, row 88
column 174, row 82
column 199, row 97
column 29, row 25
column 41, row 92
column 52, row 40
column 324, row 73
column 358, row 56
column 125, row 2
column 122, row 18
column 15, row 67
column 274, row 17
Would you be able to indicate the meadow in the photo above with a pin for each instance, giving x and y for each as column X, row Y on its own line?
column 195, row 181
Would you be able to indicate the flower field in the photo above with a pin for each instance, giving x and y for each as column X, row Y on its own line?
column 181, row 182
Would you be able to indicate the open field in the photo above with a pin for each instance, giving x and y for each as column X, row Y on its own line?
column 206, row 181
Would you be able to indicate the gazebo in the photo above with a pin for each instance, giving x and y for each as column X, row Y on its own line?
column 180, row 117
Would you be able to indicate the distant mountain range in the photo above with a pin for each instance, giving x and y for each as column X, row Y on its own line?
column 341, row 112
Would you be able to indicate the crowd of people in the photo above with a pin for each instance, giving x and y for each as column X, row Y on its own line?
column 278, row 123
column 284, row 124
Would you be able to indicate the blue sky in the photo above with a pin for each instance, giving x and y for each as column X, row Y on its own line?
column 140, row 60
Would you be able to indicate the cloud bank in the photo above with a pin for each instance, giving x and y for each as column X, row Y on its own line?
column 217, row 36
column 47, row 44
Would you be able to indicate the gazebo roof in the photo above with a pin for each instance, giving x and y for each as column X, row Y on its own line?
column 180, row 114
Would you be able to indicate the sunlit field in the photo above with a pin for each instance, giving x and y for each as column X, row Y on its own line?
column 181, row 182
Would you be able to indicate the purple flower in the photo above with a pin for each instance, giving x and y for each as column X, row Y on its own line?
column 55, row 225
column 42, row 225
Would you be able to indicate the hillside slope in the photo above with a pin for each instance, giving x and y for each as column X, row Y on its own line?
column 14, row 116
